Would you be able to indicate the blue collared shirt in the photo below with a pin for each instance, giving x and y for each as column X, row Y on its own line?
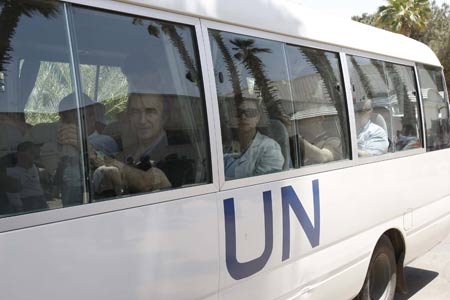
column 373, row 139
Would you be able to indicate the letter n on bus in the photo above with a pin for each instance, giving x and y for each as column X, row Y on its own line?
column 290, row 200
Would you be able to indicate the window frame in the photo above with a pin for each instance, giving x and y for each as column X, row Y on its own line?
column 422, row 109
column 389, row 155
column 318, row 168
column 14, row 222
column 201, row 27
column 446, row 98
column 285, row 174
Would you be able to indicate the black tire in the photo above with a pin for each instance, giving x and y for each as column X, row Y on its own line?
column 381, row 276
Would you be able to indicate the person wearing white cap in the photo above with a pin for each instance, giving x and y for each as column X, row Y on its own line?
column 317, row 146
column 61, row 150
column 372, row 139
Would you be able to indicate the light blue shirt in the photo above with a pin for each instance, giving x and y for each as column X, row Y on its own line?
column 373, row 139
column 262, row 156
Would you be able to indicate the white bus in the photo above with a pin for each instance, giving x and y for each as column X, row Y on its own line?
column 214, row 150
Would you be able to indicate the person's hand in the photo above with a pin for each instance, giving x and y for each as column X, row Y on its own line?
column 96, row 158
column 109, row 161
column 160, row 180
column 362, row 153
column 68, row 135
column 111, row 177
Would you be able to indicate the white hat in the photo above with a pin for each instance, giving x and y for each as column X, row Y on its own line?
column 69, row 102
column 311, row 110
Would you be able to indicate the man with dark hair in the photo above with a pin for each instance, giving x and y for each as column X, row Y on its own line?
column 147, row 116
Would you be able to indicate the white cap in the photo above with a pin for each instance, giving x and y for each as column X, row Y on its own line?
column 69, row 103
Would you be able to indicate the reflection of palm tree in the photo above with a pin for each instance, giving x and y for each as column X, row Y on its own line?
column 248, row 54
column 365, row 82
column 178, row 43
column 155, row 28
column 234, row 78
column 231, row 67
column 318, row 61
column 10, row 16
column 400, row 90
column 402, row 96
column 379, row 66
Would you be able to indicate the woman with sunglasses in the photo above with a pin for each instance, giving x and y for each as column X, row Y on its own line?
column 253, row 153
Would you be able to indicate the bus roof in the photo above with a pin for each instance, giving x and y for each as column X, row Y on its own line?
column 290, row 18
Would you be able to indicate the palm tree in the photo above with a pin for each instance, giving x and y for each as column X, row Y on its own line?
column 404, row 16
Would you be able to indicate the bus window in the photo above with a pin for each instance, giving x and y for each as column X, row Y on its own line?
column 435, row 107
column 36, row 76
column 319, row 109
column 252, row 88
column 385, row 104
column 143, row 77
column 404, row 118
column 370, row 96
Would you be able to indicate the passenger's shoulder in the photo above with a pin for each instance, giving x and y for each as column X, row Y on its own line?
column 376, row 129
column 266, row 140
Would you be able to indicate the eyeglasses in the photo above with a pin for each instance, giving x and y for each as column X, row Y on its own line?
column 249, row 112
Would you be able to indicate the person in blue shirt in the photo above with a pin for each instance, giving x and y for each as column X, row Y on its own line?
column 372, row 139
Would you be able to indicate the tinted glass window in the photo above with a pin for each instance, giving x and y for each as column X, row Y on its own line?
column 138, row 125
column 386, row 107
column 319, row 110
column 403, row 121
column 435, row 107
column 253, row 91
column 38, row 169
column 281, row 106
column 145, row 117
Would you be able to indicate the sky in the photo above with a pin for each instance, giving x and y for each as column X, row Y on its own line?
column 349, row 8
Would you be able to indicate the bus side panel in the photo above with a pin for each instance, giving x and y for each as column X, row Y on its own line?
column 161, row 251
column 428, row 232
column 430, row 205
column 356, row 206
column 303, row 268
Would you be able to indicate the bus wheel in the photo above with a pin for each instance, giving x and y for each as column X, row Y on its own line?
column 381, row 277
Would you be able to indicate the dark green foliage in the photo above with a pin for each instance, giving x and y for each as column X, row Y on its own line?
column 404, row 16
column 436, row 33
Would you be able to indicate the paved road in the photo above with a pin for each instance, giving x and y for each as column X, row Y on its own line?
column 429, row 276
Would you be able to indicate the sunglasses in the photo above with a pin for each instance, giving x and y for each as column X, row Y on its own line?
column 249, row 112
